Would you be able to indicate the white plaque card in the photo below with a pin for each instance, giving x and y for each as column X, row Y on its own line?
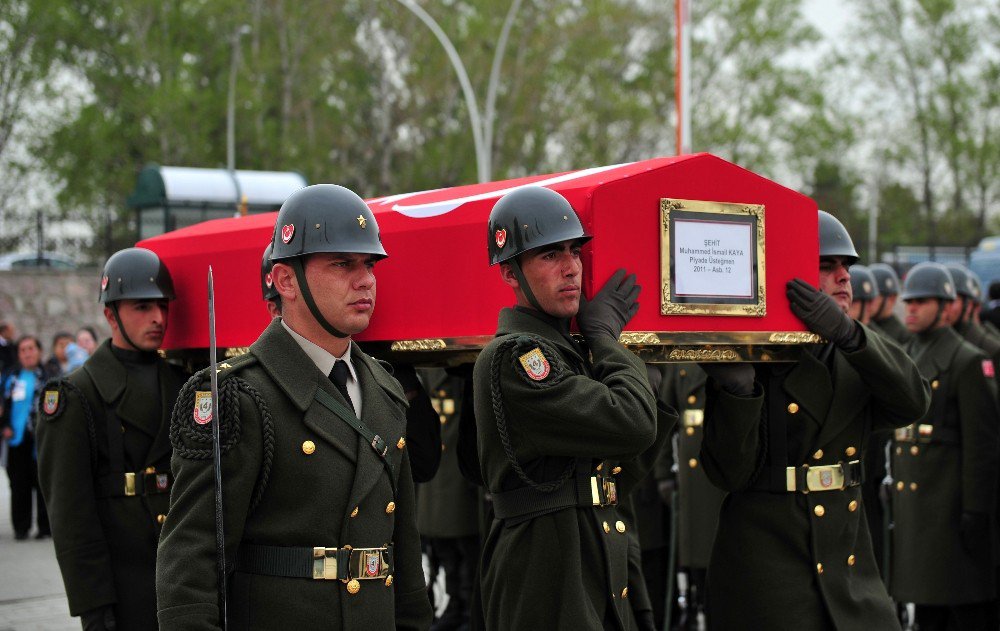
column 713, row 259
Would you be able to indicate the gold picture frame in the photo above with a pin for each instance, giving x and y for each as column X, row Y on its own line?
column 673, row 210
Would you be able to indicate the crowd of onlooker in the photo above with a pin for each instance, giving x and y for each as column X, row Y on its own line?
column 23, row 375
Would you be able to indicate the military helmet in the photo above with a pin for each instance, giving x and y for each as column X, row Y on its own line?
column 266, row 284
column 135, row 274
column 530, row 217
column 325, row 218
column 834, row 239
column 863, row 283
column 885, row 278
column 964, row 286
column 977, row 287
column 929, row 280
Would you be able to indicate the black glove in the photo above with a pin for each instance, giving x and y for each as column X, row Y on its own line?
column 99, row 619
column 975, row 528
column 822, row 315
column 666, row 490
column 735, row 378
column 655, row 377
column 611, row 308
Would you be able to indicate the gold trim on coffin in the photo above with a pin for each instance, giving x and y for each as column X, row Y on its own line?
column 667, row 307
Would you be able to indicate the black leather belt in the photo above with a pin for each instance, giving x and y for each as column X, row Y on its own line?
column 815, row 478
column 319, row 563
column 925, row 433
column 580, row 491
column 130, row 484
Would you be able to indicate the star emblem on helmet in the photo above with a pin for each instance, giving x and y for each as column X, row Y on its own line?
column 362, row 221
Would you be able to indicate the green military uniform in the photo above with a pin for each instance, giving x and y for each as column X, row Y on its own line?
column 448, row 505
column 943, row 466
column 541, row 404
column 296, row 477
column 893, row 328
column 788, row 559
column 977, row 335
column 104, row 467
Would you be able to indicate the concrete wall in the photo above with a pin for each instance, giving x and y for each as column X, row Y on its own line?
column 42, row 302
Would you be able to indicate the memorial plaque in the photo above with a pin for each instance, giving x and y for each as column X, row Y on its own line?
column 712, row 258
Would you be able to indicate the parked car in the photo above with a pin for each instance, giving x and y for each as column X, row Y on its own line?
column 32, row 260
column 985, row 261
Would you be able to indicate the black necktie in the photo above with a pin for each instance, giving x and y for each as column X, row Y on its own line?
column 339, row 375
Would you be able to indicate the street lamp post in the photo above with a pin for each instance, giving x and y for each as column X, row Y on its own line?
column 482, row 127
column 231, row 103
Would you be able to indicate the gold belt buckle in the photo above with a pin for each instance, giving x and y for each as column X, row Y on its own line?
column 129, row 484
column 694, row 418
column 368, row 563
column 603, row 491
column 905, row 433
column 825, row 478
column 925, row 431
column 325, row 564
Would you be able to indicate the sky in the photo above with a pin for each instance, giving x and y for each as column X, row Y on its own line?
column 829, row 16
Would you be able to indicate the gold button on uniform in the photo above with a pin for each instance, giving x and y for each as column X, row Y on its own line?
column 819, row 568
column 693, row 462
column 150, row 469
column 914, row 450
column 818, row 454
column 913, row 486
column 793, row 408
column 819, row 510
column 353, row 586
column 683, row 372
column 401, row 443
column 689, row 431
column 354, row 513
column 853, row 506
column 899, row 451
column 625, row 593
column 692, row 399
column 308, row 447
column 616, row 470
column 620, row 526
column 161, row 518
column 390, row 507
column 388, row 580
column 850, row 451
column 607, row 528
column 899, row 486
column 850, row 560
column 935, row 384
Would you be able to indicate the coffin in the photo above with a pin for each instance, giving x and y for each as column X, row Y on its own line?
column 712, row 245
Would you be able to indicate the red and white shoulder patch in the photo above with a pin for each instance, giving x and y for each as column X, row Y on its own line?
column 988, row 368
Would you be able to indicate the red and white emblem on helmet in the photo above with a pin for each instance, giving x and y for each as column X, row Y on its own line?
column 104, row 283
column 287, row 232
column 268, row 280
column 501, row 237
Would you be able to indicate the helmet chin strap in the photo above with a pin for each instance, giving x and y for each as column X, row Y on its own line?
column 121, row 327
column 300, row 275
column 515, row 265
column 937, row 317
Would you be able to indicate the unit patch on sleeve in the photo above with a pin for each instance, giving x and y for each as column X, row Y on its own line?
column 988, row 368
column 535, row 364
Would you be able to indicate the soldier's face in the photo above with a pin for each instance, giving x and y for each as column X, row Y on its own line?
column 921, row 313
column 145, row 323
column 343, row 286
column 835, row 280
column 554, row 273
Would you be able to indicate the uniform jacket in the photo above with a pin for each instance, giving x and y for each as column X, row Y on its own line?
column 698, row 499
column 568, row 569
column 938, row 475
column 893, row 328
column 786, row 560
column 447, row 505
column 325, row 487
column 106, row 545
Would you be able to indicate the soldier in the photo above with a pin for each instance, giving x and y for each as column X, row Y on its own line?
column 448, row 507
column 319, row 523
column 864, row 291
column 552, row 428
column 945, row 468
column 104, row 451
column 270, row 293
column 698, row 500
column 962, row 309
column 884, row 304
column 792, row 549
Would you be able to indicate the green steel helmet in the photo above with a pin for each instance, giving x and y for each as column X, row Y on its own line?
column 964, row 286
column 530, row 217
column 266, row 284
column 885, row 277
column 863, row 283
column 325, row 218
column 135, row 274
column 834, row 240
column 929, row 280
column 977, row 288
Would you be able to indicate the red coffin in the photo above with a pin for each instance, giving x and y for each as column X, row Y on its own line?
column 436, row 290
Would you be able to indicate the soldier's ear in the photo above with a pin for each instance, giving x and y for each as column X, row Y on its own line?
column 110, row 317
column 283, row 277
column 507, row 274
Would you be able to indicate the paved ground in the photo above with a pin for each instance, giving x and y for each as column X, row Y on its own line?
column 31, row 590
